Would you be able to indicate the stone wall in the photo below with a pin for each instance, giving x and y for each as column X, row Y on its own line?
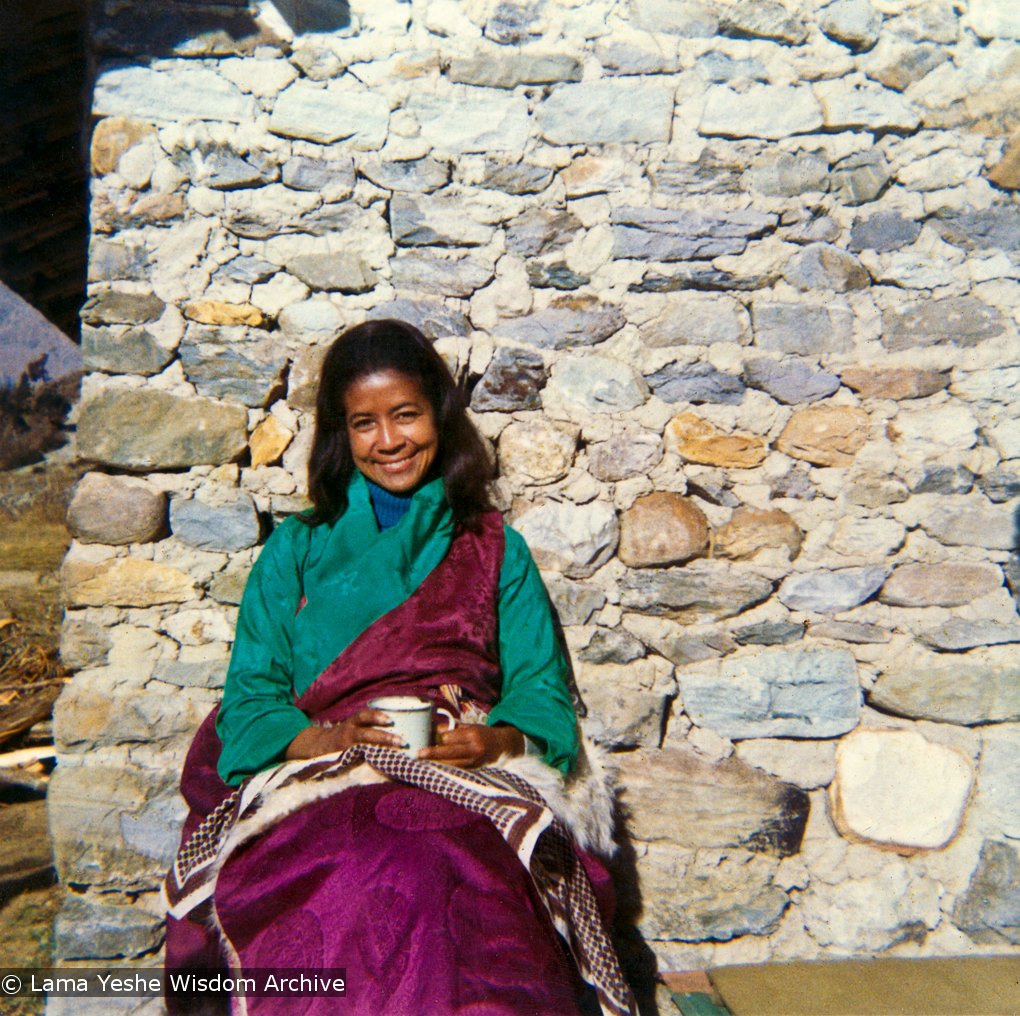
column 735, row 290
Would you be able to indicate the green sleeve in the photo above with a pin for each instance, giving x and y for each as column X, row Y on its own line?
column 258, row 718
column 535, row 697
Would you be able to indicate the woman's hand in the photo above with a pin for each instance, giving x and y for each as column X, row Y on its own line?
column 474, row 744
column 361, row 728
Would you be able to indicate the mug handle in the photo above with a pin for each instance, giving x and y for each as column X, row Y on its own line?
column 448, row 715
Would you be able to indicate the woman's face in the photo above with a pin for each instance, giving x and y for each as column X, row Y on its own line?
column 392, row 430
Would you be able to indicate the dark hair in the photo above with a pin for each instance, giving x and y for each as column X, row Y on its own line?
column 368, row 348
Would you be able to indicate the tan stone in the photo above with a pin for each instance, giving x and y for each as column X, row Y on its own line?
column 1006, row 172
column 303, row 380
column 894, row 382
column 948, row 584
column 825, row 435
column 537, row 450
column 268, row 442
column 215, row 312
column 112, row 137
column 662, row 528
column 752, row 529
column 697, row 440
column 125, row 582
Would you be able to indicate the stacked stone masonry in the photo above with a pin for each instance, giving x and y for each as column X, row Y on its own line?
column 735, row 288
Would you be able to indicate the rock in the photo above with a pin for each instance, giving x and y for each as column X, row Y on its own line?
column 86, row 929
column 416, row 176
column 897, row 63
column 662, row 528
column 679, row 797
column 963, row 321
column 782, row 174
column 1005, row 173
column 697, row 383
column 341, row 272
column 807, row 764
column 493, row 68
column 718, row 68
column 109, row 261
column 807, row 693
column 686, row 18
column 831, row 592
column 204, row 674
column 228, row 585
column 222, row 169
column 431, row 317
column 958, row 634
column 701, row 592
column 511, row 24
column 790, row 381
column 119, row 350
column 82, row 643
column 717, row 170
column 760, row 111
column 868, row 539
column 697, row 440
column 112, row 137
column 971, row 525
column 574, row 602
column 874, row 382
column 111, row 307
column 859, row 178
column 268, row 442
column 428, row 220
column 537, row 450
column 626, row 703
column 144, row 429
column 125, row 582
column 660, row 234
column 116, row 510
column 516, row 178
column 513, row 381
column 625, row 454
column 850, row 631
column 982, row 686
column 231, row 524
column 823, row 266
column 167, row 94
column 324, row 115
column 752, row 529
column 769, row 633
column 568, row 321
column 216, row 312
column 883, row 232
column 439, row 276
column 538, row 231
column 466, row 119
column 333, row 178
column 554, row 276
column 762, row 19
column 825, row 435
column 1000, row 485
column 949, row 584
column 865, row 105
column 992, row 228
column 607, row 112
column 697, row 319
column 855, row 23
column 801, row 329
column 595, row 384
column 795, row 483
column 574, row 539
column 989, row 911
column 312, row 321
column 713, row 490
column 248, row 268
column 221, row 363
column 895, row 788
column 998, row 789
column 944, row 480
column 612, row 645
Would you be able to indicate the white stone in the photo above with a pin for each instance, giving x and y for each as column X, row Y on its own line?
column 184, row 92
column 896, row 788
column 196, row 627
column 948, row 168
column 260, row 77
column 464, row 119
column 280, row 291
column 868, row 539
column 136, row 165
column 998, row 786
column 951, row 425
column 607, row 112
column 590, row 383
column 993, row 19
column 806, row 764
column 760, row 111
column 447, row 17
column 569, row 538
column 867, row 105
column 1005, row 437
column 537, row 450
column 314, row 321
column 331, row 113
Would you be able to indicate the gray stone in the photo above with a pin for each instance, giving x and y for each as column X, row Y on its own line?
column 971, row 525
column 697, row 383
column 612, row 111
column 595, row 384
column 823, row 266
column 612, row 645
column 466, row 119
column 831, row 592
column 341, row 272
column 702, row 591
column 626, row 704
column 962, row 321
column 417, row 221
column 304, row 110
column 808, row 693
column 116, row 510
column 180, row 92
column 802, row 328
column 998, row 788
column 795, row 484
column 538, row 231
column 760, row 111
column 415, row 176
column 316, row 321
column 719, row 68
column 703, row 275
column 989, row 911
column 810, row 229
column 686, row 18
column 507, row 70
column 87, row 929
column 1000, row 485
column 854, row 632
column 333, row 175
column 223, row 169
column 944, row 480
column 511, row 23
column 859, row 178
column 945, row 584
column 82, row 643
column 783, row 174
column 958, row 634
column 996, row 228
column 897, row 63
column 660, row 234
column 122, row 350
column 789, row 381
column 883, row 232
column 762, row 19
column 433, row 319
column 618, row 58
column 625, row 454
column 113, row 308
column 438, row 276
column 768, row 633
column 574, row 602
column 569, row 322
column 516, row 177
column 110, row 260
column 1011, row 569
column 715, row 171
column 855, row 23
column 574, row 539
column 221, row 363
column 204, row 674
column 138, row 429
column 274, row 211
column 554, row 276
column 227, row 586
column 248, row 268
column 876, row 491
column 697, row 319
column 232, row 524
column 513, row 381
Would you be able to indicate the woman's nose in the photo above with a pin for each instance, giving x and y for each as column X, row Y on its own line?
column 390, row 437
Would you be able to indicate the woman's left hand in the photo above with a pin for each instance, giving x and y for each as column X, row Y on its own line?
column 474, row 744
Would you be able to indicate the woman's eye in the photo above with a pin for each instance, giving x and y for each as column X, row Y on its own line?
column 361, row 424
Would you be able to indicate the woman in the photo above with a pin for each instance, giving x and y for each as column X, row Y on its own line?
column 436, row 883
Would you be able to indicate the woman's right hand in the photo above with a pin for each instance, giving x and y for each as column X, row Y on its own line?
column 361, row 728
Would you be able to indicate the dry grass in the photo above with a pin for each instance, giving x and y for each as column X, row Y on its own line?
column 30, row 680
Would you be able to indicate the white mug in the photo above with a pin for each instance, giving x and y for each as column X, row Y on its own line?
column 412, row 719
